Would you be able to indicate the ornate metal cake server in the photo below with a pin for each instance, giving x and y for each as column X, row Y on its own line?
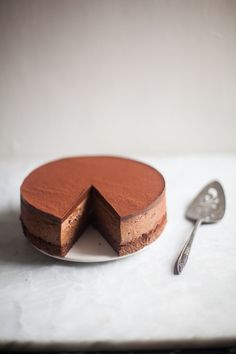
column 208, row 207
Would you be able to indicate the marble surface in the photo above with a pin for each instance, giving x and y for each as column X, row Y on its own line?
column 133, row 303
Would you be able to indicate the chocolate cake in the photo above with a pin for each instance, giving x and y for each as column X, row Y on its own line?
column 124, row 199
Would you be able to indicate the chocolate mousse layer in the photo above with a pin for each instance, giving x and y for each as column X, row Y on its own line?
column 124, row 199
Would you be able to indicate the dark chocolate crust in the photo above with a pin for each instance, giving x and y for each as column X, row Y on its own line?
column 49, row 247
column 144, row 240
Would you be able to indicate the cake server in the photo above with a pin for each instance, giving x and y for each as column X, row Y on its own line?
column 207, row 207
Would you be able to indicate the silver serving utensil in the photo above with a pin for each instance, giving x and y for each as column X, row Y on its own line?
column 208, row 207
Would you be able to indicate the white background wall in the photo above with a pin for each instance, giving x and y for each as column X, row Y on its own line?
column 120, row 77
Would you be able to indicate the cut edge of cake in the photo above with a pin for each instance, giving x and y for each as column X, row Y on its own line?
column 125, row 235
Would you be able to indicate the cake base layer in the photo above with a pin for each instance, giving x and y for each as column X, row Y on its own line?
column 144, row 240
column 130, row 247
column 49, row 247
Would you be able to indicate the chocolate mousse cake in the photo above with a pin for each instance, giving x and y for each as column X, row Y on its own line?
column 124, row 199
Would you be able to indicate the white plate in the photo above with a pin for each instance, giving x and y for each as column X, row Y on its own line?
column 91, row 247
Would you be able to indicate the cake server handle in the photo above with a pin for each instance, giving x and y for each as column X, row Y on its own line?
column 183, row 256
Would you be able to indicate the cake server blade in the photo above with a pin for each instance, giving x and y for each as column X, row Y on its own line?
column 206, row 208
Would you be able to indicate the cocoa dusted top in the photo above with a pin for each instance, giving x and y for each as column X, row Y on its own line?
column 56, row 188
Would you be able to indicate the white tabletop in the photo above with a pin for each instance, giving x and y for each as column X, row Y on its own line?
column 135, row 302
